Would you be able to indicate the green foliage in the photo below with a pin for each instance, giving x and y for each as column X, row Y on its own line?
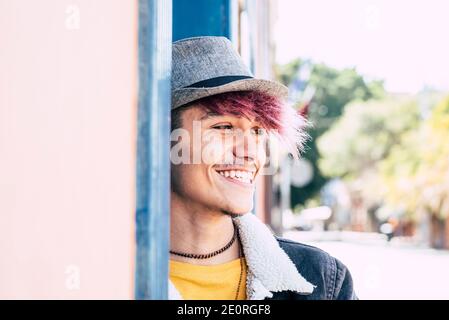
column 416, row 172
column 365, row 135
column 334, row 89
column 439, row 119
column 361, row 134
column 287, row 72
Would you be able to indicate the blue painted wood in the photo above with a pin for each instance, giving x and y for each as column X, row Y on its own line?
column 153, row 164
column 202, row 18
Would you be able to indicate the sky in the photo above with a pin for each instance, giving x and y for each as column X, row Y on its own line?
column 406, row 43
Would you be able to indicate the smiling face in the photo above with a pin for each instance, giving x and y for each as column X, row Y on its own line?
column 232, row 153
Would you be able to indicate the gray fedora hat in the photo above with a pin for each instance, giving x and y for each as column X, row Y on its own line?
column 206, row 66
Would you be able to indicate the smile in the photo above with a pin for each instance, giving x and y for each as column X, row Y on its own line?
column 239, row 176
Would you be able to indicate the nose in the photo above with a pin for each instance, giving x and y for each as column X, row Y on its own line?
column 246, row 146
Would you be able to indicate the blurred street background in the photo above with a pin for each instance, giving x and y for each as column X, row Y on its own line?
column 373, row 185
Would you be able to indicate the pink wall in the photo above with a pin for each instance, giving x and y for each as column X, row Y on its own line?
column 68, row 86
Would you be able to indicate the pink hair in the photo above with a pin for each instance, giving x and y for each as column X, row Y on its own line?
column 272, row 114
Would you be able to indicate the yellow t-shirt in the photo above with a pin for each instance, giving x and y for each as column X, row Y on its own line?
column 216, row 282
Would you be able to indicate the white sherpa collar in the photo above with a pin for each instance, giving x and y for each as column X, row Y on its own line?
column 269, row 267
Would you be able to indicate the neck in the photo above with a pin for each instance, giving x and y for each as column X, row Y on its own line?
column 198, row 230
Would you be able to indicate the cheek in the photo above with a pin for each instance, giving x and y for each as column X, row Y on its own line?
column 178, row 174
column 183, row 175
column 261, row 153
column 214, row 148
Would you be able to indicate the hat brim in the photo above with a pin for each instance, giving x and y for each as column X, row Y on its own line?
column 183, row 96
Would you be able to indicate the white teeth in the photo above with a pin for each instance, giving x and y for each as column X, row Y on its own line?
column 243, row 176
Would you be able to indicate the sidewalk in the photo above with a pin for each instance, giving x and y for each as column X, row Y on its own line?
column 382, row 269
column 346, row 236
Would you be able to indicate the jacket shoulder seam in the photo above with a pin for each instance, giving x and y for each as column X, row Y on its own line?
column 332, row 277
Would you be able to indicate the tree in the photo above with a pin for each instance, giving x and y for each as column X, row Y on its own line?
column 365, row 135
column 333, row 90
column 417, row 171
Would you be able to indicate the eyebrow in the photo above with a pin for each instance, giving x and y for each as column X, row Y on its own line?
column 210, row 115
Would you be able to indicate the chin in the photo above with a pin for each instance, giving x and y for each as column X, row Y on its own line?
column 238, row 211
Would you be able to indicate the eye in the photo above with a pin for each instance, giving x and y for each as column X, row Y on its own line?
column 258, row 131
column 227, row 128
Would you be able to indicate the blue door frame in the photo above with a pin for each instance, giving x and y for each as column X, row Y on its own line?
column 157, row 19
column 153, row 143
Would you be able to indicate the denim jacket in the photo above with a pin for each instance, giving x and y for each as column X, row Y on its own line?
column 330, row 276
column 281, row 269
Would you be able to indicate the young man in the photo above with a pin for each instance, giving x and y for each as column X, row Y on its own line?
column 221, row 120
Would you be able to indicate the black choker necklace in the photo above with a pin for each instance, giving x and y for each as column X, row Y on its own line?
column 207, row 255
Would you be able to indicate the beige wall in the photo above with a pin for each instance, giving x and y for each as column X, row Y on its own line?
column 67, row 148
